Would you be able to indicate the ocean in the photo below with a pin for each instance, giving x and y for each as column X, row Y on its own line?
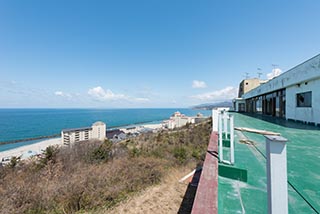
column 16, row 124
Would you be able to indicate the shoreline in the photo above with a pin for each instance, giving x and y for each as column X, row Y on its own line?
column 25, row 151
column 34, row 149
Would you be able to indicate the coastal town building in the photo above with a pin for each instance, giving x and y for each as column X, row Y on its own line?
column 293, row 95
column 116, row 135
column 178, row 120
column 96, row 131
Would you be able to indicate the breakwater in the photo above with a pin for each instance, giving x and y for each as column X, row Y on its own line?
column 30, row 139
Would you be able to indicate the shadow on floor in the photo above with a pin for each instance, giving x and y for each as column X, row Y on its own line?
column 190, row 194
column 283, row 122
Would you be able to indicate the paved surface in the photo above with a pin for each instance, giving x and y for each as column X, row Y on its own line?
column 303, row 159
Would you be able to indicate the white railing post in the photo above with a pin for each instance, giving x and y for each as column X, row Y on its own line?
column 220, row 138
column 277, row 174
column 231, row 139
column 215, row 120
column 225, row 124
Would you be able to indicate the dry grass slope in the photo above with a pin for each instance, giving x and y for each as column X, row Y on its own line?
column 97, row 176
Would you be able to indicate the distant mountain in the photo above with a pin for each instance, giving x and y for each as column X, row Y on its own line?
column 208, row 106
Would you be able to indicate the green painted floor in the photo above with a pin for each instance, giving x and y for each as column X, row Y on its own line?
column 303, row 159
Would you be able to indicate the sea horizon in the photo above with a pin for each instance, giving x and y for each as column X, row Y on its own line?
column 26, row 123
column 102, row 108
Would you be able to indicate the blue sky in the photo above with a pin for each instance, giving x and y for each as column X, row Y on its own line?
column 151, row 53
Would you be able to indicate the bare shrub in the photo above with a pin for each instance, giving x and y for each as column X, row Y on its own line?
column 93, row 174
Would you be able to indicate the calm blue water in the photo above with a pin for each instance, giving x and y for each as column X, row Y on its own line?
column 27, row 123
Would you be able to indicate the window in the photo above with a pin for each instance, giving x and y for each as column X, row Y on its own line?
column 241, row 107
column 304, row 99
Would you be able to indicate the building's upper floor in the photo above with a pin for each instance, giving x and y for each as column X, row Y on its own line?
column 300, row 74
column 247, row 85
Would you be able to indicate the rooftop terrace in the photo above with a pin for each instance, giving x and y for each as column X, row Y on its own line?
column 303, row 164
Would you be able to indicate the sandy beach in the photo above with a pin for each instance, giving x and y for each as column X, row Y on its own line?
column 153, row 126
column 35, row 148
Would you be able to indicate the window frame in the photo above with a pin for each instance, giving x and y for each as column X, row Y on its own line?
column 302, row 104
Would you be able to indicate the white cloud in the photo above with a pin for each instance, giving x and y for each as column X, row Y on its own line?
column 219, row 95
column 100, row 94
column 274, row 73
column 58, row 93
column 198, row 84
column 62, row 94
column 141, row 99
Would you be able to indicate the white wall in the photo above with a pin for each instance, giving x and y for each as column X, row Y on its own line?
column 306, row 71
column 307, row 114
column 72, row 135
column 99, row 131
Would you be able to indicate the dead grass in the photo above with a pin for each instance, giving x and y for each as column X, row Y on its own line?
column 67, row 186
column 95, row 175
column 165, row 197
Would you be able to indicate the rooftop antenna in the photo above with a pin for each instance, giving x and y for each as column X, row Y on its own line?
column 259, row 72
column 247, row 75
column 274, row 66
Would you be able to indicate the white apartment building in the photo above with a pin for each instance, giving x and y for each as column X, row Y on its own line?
column 178, row 120
column 96, row 131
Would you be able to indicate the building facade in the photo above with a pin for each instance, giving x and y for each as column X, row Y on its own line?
column 293, row 95
column 96, row 131
column 178, row 120
column 247, row 85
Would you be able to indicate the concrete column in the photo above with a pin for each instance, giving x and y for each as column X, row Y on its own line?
column 277, row 186
column 220, row 138
column 215, row 120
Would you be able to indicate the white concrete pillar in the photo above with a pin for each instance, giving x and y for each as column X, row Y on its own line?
column 220, row 138
column 277, row 186
column 231, row 139
column 215, row 120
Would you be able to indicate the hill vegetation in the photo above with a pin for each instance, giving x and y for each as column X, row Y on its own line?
column 209, row 106
column 93, row 175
